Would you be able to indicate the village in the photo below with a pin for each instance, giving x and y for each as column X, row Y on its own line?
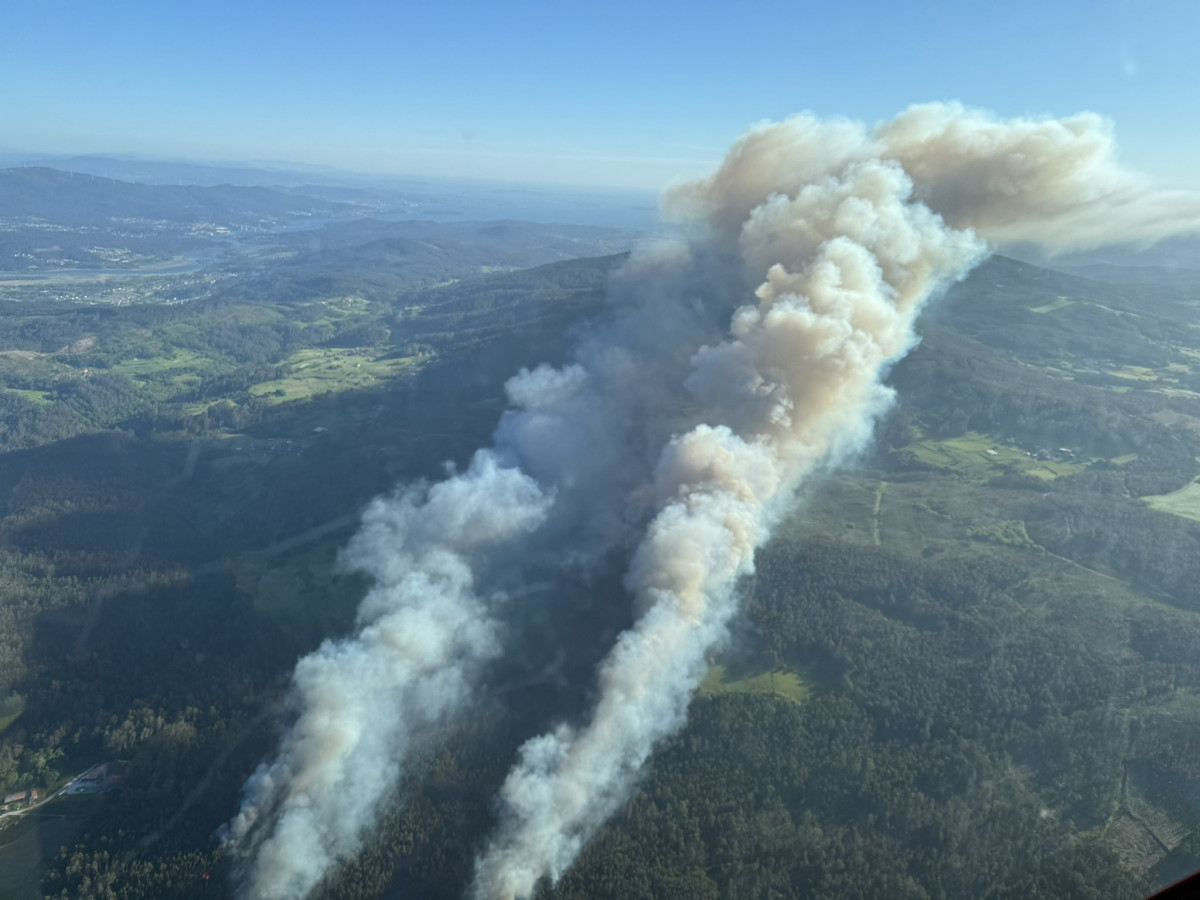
column 19, row 800
column 96, row 780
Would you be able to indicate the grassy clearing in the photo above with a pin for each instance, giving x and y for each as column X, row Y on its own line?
column 40, row 397
column 780, row 683
column 36, row 369
column 198, row 406
column 1010, row 532
column 1134, row 373
column 1058, row 303
column 327, row 370
column 1163, row 380
column 166, row 376
column 328, row 311
column 978, row 456
column 138, row 368
column 1065, row 372
column 1184, row 502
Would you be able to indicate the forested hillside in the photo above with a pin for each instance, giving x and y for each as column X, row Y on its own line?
column 969, row 665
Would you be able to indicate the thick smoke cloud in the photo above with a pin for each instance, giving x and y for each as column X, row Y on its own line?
column 736, row 365
column 367, row 703
column 847, row 261
column 1052, row 182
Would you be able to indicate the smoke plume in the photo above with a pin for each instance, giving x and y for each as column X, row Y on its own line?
column 367, row 703
column 735, row 366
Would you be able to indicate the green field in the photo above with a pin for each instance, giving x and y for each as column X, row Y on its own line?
column 978, row 456
column 321, row 370
column 1010, row 532
column 180, row 358
column 167, row 375
column 33, row 396
column 1134, row 373
column 780, row 683
column 1184, row 502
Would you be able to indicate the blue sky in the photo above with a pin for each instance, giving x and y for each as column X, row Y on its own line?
column 617, row 93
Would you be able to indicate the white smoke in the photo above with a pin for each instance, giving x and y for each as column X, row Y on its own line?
column 1053, row 182
column 848, row 232
column 368, row 702
column 565, row 462
column 681, row 433
column 795, row 385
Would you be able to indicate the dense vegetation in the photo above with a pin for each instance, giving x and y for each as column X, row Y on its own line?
column 994, row 660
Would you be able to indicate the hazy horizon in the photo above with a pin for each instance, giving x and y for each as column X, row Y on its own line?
column 632, row 97
column 16, row 157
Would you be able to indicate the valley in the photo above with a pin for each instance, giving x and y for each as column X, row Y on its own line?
column 968, row 664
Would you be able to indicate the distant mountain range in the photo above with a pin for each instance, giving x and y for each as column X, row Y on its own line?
column 421, row 197
column 68, row 198
column 167, row 172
